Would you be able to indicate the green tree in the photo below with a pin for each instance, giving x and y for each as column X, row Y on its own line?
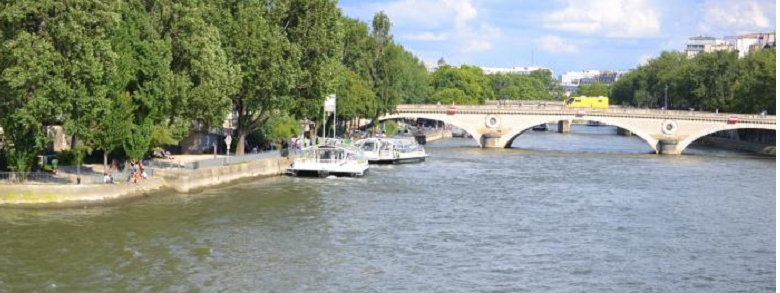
column 354, row 96
column 285, row 50
column 756, row 84
column 596, row 89
column 113, row 128
column 534, row 86
column 468, row 79
column 55, row 62
column 448, row 96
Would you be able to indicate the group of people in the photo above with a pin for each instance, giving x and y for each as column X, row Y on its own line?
column 137, row 172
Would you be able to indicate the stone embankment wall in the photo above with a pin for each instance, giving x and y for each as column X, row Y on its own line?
column 180, row 180
column 189, row 180
column 760, row 141
column 423, row 139
column 753, row 147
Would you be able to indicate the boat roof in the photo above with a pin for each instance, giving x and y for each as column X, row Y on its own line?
column 397, row 140
column 334, row 146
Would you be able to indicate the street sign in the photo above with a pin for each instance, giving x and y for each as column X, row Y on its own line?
column 330, row 103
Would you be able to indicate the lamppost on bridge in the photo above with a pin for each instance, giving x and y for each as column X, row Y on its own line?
column 666, row 95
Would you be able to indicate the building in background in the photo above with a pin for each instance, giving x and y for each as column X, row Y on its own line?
column 514, row 70
column 607, row 77
column 571, row 80
column 701, row 44
column 743, row 44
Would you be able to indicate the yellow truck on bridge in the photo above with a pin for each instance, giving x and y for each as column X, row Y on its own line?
column 587, row 102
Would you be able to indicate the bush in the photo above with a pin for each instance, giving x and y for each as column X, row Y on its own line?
column 391, row 128
column 66, row 158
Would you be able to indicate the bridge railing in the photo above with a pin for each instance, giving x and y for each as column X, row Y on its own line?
column 559, row 109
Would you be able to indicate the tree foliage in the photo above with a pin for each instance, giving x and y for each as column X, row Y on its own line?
column 709, row 81
column 472, row 86
column 534, row 86
column 596, row 89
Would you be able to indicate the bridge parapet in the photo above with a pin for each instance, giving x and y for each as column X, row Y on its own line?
column 668, row 131
column 609, row 112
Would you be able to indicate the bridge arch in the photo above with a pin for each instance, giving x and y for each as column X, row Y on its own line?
column 684, row 143
column 444, row 118
column 518, row 129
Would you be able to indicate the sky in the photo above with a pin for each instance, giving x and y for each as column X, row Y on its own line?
column 564, row 35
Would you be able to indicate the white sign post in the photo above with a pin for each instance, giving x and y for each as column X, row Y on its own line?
column 330, row 106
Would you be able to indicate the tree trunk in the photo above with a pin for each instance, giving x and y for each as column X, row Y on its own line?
column 105, row 161
column 241, row 141
column 241, row 127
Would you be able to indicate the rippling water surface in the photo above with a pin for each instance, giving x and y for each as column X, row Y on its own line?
column 586, row 212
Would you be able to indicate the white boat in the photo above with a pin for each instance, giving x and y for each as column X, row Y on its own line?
column 325, row 160
column 391, row 151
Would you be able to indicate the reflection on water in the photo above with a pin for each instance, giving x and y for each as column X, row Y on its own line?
column 580, row 212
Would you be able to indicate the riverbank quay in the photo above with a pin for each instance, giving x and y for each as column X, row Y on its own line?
column 738, row 145
column 188, row 178
column 433, row 135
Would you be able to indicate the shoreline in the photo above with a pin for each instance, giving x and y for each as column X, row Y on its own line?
column 175, row 180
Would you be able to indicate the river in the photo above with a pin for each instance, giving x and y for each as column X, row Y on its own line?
column 585, row 212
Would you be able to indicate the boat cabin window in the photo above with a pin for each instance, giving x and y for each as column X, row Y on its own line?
column 570, row 101
column 577, row 100
column 368, row 146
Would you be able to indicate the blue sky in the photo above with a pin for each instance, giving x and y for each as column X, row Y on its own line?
column 564, row 35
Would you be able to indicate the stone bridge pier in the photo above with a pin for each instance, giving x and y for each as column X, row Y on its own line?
column 665, row 132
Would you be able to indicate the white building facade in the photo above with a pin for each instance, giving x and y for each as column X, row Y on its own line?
column 572, row 78
column 513, row 70
column 701, row 44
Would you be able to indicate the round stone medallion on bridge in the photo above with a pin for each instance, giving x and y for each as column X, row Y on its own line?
column 669, row 127
column 492, row 121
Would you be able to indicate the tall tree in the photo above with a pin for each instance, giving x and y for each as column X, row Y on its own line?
column 54, row 54
column 596, row 89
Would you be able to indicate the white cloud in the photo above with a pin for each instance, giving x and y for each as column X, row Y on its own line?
column 733, row 17
column 424, row 13
column 426, row 36
column 555, row 44
column 645, row 58
column 456, row 21
column 611, row 18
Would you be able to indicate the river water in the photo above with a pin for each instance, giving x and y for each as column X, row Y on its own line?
column 585, row 212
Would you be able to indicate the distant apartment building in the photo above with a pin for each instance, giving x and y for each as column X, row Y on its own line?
column 701, row 44
column 513, row 70
column 572, row 80
column 743, row 44
column 605, row 77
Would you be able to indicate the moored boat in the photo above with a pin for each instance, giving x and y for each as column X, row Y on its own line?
column 540, row 127
column 325, row 160
column 391, row 151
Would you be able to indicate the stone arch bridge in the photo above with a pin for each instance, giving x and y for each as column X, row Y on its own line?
column 666, row 131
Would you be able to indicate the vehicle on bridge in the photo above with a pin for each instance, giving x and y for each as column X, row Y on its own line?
column 587, row 102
